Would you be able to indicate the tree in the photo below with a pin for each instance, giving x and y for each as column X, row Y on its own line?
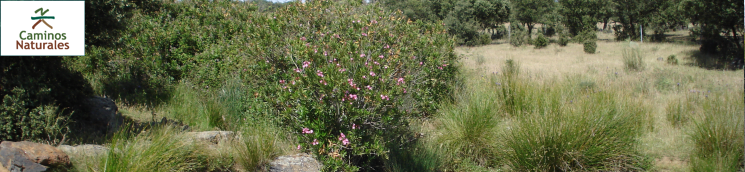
column 632, row 14
column 530, row 12
column 715, row 16
column 581, row 15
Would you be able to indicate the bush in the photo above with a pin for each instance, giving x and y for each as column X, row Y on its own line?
column 590, row 46
column 633, row 59
column 672, row 60
column 563, row 40
column 485, row 39
column 519, row 35
column 717, row 135
column 39, row 96
column 585, row 36
column 541, row 41
column 332, row 67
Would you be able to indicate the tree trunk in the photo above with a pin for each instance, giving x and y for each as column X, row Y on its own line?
column 605, row 23
column 737, row 40
column 530, row 31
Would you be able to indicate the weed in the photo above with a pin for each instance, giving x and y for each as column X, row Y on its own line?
column 672, row 60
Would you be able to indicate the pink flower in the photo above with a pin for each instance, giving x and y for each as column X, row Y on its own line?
column 376, row 63
column 342, row 70
column 315, row 50
column 372, row 73
column 362, row 55
column 399, row 81
column 439, row 68
column 307, row 131
column 404, row 90
column 364, row 34
column 353, row 96
column 374, row 22
column 342, row 137
column 297, row 70
column 387, row 47
column 381, row 56
column 384, row 97
column 444, row 65
column 420, row 63
column 319, row 73
column 345, row 141
column 364, row 77
column 414, row 57
column 315, row 142
column 354, row 126
column 326, row 54
column 282, row 81
column 323, row 82
column 293, row 82
column 303, row 38
column 306, row 64
column 298, row 147
column 368, row 87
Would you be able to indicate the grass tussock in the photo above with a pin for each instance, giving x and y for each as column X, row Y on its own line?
column 258, row 145
column 633, row 58
column 717, row 133
column 162, row 149
column 207, row 110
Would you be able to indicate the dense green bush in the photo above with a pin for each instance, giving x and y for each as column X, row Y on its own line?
column 541, row 41
column 39, row 96
column 519, row 35
column 590, row 46
column 350, row 73
column 563, row 40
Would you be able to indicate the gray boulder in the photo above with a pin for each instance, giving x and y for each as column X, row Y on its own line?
column 86, row 149
column 29, row 156
column 211, row 136
column 295, row 163
column 103, row 112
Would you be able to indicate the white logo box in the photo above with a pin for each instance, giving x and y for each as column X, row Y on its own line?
column 69, row 18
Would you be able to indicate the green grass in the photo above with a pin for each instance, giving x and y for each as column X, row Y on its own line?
column 717, row 133
column 633, row 58
column 260, row 143
column 161, row 149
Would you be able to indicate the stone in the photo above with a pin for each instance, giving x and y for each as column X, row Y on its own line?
column 86, row 149
column 39, row 153
column 103, row 112
column 16, row 160
column 211, row 136
column 301, row 162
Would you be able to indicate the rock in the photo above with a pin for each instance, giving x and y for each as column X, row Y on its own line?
column 211, row 136
column 103, row 111
column 87, row 149
column 295, row 163
column 15, row 160
column 39, row 153
column 2, row 168
column 28, row 156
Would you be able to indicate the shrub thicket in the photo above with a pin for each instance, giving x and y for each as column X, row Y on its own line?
column 590, row 46
column 541, row 41
column 38, row 97
column 563, row 40
column 352, row 74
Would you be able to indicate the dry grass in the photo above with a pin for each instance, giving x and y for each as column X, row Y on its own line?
column 657, row 86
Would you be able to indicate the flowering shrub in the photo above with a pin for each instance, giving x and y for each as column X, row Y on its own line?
column 352, row 74
column 343, row 76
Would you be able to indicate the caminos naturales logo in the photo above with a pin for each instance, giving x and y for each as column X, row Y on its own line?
column 42, row 28
column 39, row 41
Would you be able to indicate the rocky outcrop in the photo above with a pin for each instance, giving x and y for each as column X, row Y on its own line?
column 28, row 156
column 103, row 112
column 211, row 136
column 295, row 163
column 87, row 149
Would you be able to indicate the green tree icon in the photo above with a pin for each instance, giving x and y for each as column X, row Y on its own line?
column 41, row 18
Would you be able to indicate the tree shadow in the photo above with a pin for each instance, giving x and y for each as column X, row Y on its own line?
column 714, row 61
